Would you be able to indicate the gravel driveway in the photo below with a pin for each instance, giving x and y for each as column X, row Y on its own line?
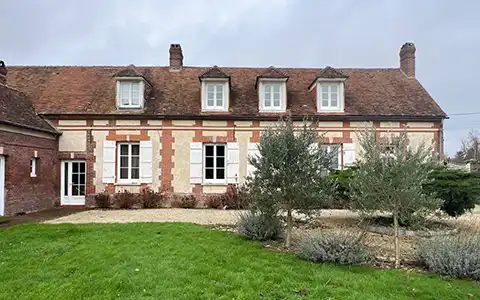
column 199, row 216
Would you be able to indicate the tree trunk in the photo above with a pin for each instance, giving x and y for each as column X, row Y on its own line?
column 289, row 227
column 397, row 246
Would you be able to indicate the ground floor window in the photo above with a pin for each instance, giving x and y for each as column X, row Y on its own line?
column 129, row 161
column 214, row 163
column 334, row 151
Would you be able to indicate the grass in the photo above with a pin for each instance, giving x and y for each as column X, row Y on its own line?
column 4, row 219
column 185, row 261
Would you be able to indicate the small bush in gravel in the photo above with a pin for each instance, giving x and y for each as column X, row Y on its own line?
column 214, row 201
column 342, row 247
column 259, row 227
column 125, row 200
column 151, row 199
column 233, row 198
column 103, row 200
column 187, row 201
column 453, row 255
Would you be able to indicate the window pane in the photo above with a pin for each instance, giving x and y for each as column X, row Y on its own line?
column 123, row 173
column 220, row 174
column 209, row 150
column 219, row 88
column 220, row 162
column 334, row 149
column 276, row 102
column 325, row 96
column 209, row 174
column 135, row 149
column 220, row 150
column 210, row 88
column 82, row 190
column 75, row 167
column 82, row 179
column 334, row 102
column 276, row 88
column 65, row 181
column 123, row 149
column 75, row 179
column 210, row 102
column 125, row 92
column 268, row 102
column 333, row 88
column 209, row 162
column 135, row 162
column 325, row 89
column 124, row 162
column 324, row 102
column 75, row 190
column 82, row 167
column 219, row 99
column 135, row 93
column 135, row 173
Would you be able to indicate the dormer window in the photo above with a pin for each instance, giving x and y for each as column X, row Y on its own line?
column 329, row 86
column 272, row 91
column 130, row 94
column 329, row 96
column 215, row 90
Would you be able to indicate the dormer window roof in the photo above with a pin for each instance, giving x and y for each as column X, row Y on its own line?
column 215, row 90
column 272, row 90
column 130, row 88
column 330, row 90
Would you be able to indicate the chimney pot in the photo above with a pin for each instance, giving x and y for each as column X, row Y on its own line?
column 407, row 59
column 176, row 58
column 3, row 73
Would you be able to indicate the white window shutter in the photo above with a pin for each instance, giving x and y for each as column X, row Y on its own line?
column 108, row 162
column 233, row 162
column 196, row 161
column 252, row 152
column 146, row 162
column 348, row 154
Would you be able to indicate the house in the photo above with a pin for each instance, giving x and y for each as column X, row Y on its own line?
column 29, row 165
column 182, row 129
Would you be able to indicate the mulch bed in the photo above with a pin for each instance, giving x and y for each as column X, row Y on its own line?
column 39, row 216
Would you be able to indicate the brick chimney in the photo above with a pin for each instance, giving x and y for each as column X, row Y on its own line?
column 176, row 58
column 407, row 59
column 3, row 73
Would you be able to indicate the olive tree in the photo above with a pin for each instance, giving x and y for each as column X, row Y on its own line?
column 390, row 179
column 289, row 172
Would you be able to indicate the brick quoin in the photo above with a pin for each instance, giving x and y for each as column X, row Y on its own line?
column 22, row 192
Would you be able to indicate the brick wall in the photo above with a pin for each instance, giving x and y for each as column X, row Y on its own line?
column 22, row 192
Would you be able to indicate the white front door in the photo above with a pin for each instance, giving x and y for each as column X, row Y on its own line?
column 73, row 182
column 2, row 185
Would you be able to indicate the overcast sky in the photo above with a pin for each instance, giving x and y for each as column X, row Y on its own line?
column 284, row 33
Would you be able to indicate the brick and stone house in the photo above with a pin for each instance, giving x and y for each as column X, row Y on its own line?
column 182, row 129
column 29, row 165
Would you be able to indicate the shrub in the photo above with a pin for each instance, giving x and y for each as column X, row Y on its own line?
column 150, row 199
column 103, row 200
column 342, row 247
column 214, row 201
column 233, row 198
column 341, row 194
column 459, row 190
column 260, row 227
column 455, row 256
column 187, row 201
column 125, row 200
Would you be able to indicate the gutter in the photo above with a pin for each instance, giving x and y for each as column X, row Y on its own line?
column 54, row 132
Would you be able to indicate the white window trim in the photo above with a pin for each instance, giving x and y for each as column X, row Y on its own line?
column 283, row 95
column 226, row 94
column 214, row 181
column 33, row 167
column 141, row 92
column 128, row 180
column 341, row 96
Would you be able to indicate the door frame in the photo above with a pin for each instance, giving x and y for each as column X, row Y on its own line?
column 3, row 172
column 78, row 200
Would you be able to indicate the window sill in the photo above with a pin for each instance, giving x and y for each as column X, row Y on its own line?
column 215, row 183
column 128, row 183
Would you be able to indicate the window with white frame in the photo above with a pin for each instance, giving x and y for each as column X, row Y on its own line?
column 215, row 96
column 130, row 93
column 272, row 95
column 330, row 96
column 334, row 153
column 128, row 162
column 214, row 163
column 33, row 167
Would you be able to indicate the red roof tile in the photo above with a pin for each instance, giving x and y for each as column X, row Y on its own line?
column 91, row 90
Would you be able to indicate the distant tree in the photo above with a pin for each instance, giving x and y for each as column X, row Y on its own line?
column 470, row 148
column 390, row 179
column 290, row 172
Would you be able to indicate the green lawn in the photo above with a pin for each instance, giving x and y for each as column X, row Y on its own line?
column 185, row 261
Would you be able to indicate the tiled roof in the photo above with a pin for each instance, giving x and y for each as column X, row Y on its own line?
column 16, row 110
column 272, row 72
column 214, row 72
column 91, row 90
column 330, row 72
